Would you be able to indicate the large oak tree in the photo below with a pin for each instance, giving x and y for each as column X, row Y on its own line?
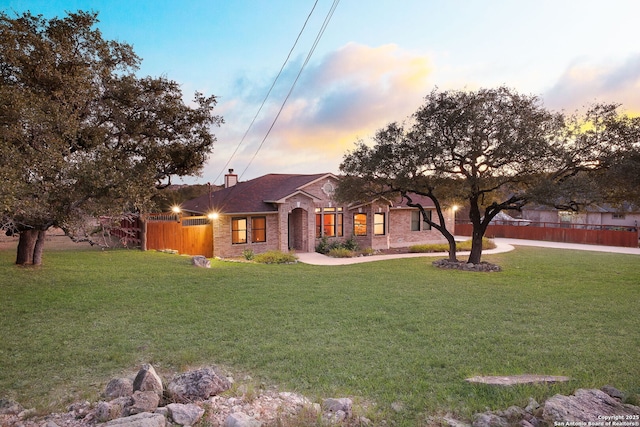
column 492, row 149
column 80, row 133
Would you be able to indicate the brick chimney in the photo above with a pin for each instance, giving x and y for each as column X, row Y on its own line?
column 230, row 179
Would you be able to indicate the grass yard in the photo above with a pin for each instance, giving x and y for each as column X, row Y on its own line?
column 397, row 331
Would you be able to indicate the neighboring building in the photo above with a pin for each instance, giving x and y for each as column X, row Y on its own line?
column 604, row 216
column 293, row 212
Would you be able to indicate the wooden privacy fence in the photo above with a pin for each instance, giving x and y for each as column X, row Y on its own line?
column 559, row 232
column 192, row 235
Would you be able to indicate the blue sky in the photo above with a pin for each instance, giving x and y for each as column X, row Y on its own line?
column 374, row 64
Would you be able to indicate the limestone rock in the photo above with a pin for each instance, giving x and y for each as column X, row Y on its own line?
column 334, row 405
column 585, row 406
column 509, row 380
column 197, row 385
column 489, row 420
column 613, row 392
column 107, row 411
column 142, row 401
column 201, row 261
column 144, row 419
column 240, row 419
column 10, row 407
column 148, row 380
column 185, row 415
column 118, row 387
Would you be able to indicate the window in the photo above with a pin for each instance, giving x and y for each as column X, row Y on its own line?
column 617, row 216
column 329, row 222
column 359, row 224
column 318, row 223
column 258, row 229
column 238, row 230
column 378, row 224
column 417, row 223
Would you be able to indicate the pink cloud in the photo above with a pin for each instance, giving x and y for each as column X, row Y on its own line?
column 585, row 83
column 344, row 96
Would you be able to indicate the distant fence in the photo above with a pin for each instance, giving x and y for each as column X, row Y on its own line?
column 607, row 235
column 192, row 235
column 128, row 229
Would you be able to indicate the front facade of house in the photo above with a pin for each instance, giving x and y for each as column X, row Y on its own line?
column 293, row 212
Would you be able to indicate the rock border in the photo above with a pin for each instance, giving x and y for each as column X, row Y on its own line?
column 485, row 267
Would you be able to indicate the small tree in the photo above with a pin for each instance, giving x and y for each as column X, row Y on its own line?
column 493, row 148
column 80, row 133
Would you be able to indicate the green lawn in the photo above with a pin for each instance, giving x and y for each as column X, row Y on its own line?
column 382, row 332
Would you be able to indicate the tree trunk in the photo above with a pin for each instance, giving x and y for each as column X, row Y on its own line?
column 478, row 231
column 30, row 247
column 39, row 247
column 452, row 246
column 476, row 247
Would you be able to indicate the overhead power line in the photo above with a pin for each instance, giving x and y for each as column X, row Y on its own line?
column 295, row 43
column 313, row 48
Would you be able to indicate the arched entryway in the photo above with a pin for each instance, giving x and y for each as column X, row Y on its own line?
column 299, row 230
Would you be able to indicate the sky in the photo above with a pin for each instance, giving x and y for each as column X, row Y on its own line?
column 374, row 63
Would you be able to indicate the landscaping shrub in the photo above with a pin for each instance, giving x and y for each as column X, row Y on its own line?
column 367, row 251
column 341, row 253
column 248, row 254
column 444, row 247
column 428, row 248
column 275, row 257
column 466, row 245
column 325, row 247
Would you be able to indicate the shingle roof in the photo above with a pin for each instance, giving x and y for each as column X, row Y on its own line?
column 253, row 195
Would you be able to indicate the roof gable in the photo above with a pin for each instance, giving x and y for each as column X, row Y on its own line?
column 257, row 195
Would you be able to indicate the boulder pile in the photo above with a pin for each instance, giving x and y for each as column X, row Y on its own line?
column 189, row 398
column 206, row 397
column 466, row 266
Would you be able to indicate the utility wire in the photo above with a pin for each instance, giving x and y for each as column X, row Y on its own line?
column 224, row 168
column 313, row 48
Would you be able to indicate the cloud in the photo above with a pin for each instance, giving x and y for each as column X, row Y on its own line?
column 584, row 83
column 346, row 95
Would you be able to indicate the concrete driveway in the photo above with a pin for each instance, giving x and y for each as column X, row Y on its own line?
column 503, row 245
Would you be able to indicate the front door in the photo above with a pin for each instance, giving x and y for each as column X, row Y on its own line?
column 298, row 230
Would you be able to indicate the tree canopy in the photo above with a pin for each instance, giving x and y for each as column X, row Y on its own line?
column 80, row 133
column 492, row 149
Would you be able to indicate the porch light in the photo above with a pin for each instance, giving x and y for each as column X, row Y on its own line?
column 176, row 209
column 213, row 215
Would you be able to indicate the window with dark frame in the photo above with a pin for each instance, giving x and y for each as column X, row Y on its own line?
column 238, row 231
column 329, row 222
column 379, row 227
column 359, row 224
column 417, row 223
column 258, row 229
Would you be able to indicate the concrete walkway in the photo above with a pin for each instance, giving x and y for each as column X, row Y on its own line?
column 503, row 245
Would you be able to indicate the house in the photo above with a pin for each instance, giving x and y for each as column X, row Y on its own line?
column 626, row 216
column 293, row 212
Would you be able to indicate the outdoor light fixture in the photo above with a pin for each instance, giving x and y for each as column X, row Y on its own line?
column 213, row 215
column 175, row 209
